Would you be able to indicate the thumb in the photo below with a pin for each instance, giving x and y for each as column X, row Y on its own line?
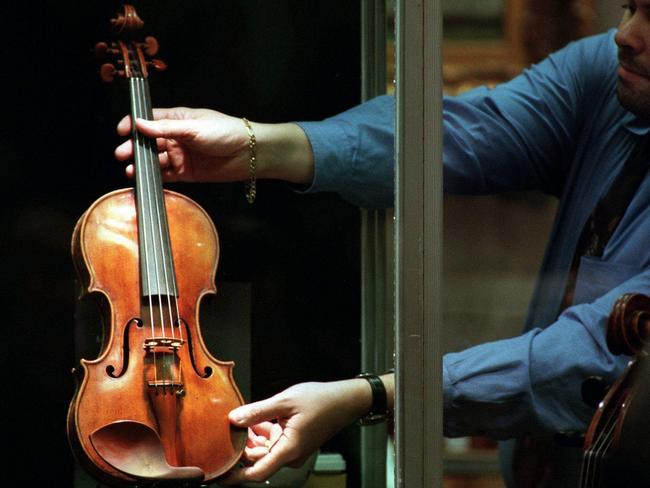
column 257, row 412
column 167, row 128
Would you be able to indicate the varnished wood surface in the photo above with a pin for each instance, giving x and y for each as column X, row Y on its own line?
column 105, row 246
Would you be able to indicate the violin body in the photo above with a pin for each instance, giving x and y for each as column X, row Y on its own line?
column 123, row 409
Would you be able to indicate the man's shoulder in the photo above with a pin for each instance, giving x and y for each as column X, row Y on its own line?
column 598, row 47
column 588, row 64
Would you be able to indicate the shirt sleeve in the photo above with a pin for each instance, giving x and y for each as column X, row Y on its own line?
column 532, row 383
column 354, row 153
column 522, row 134
column 517, row 136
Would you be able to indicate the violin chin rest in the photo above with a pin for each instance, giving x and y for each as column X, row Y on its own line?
column 135, row 449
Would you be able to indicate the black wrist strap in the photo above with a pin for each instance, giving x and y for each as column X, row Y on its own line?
column 379, row 409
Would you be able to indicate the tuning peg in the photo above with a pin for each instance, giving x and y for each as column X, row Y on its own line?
column 150, row 46
column 102, row 49
column 158, row 64
column 107, row 72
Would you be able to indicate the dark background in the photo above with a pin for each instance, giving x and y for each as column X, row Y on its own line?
column 269, row 61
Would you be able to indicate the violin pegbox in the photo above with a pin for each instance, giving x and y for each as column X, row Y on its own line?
column 128, row 57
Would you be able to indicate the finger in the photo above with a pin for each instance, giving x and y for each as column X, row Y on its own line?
column 176, row 113
column 164, row 160
column 251, row 439
column 276, row 432
column 167, row 128
column 263, row 469
column 260, row 440
column 254, row 413
column 254, row 454
column 263, row 429
column 124, row 151
column 130, row 171
column 124, row 126
column 283, row 453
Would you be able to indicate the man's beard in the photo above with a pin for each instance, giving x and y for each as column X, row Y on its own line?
column 636, row 102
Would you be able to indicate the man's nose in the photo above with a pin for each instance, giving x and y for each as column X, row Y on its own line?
column 630, row 34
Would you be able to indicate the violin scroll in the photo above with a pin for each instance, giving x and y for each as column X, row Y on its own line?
column 128, row 57
column 127, row 21
column 628, row 329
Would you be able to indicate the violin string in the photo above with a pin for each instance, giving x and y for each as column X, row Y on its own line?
column 589, row 461
column 602, row 444
column 145, row 247
column 153, row 164
column 156, row 163
column 607, row 442
column 156, row 230
column 163, row 228
column 158, row 199
column 154, row 154
column 154, row 217
column 599, row 473
column 595, row 457
column 584, row 469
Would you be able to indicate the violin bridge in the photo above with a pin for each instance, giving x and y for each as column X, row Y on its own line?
column 163, row 344
column 163, row 365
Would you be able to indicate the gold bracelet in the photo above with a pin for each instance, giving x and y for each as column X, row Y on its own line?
column 251, row 186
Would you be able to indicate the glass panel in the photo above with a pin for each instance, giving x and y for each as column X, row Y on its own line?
column 493, row 246
column 377, row 257
column 473, row 19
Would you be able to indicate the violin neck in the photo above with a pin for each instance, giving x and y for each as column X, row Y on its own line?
column 157, row 275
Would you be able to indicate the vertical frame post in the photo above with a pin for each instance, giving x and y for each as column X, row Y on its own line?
column 418, row 241
column 376, row 255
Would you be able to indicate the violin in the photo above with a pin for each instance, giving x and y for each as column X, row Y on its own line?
column 615, row 451
column 153, row 407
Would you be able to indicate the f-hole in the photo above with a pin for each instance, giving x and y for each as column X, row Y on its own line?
column 110, row 369
column 207, row 371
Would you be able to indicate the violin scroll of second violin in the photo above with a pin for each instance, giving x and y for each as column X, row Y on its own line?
column 628, row 330
column 615, row 448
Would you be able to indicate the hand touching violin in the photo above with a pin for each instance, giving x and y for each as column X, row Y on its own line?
column 288, row 427
column 207, row 146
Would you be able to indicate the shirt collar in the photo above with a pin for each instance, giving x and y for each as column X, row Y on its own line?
column 634, row 124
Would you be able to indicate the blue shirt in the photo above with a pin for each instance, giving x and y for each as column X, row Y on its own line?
column 558, row 128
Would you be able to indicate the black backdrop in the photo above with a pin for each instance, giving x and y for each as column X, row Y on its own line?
column 267, row 60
